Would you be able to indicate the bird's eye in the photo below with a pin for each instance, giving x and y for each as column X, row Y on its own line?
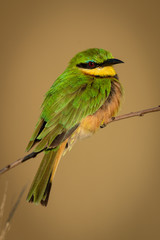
column 91, row 64
column 87, row 65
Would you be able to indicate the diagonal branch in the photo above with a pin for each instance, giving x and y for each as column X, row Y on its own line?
column 135, row 114
column 19, row 161
column 113, row 119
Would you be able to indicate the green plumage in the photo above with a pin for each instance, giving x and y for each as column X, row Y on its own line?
column 72, row 97
column 41, row 179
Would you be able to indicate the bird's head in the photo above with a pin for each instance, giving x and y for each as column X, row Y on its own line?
column 95, row 62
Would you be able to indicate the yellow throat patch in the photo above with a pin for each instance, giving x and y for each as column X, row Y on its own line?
column 100, row 71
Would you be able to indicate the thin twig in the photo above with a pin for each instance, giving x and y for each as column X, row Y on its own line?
column 135, row 114
column 19, row 161
column 11, row 214
column 113, row 119
column 3, row 205
column 5, row 230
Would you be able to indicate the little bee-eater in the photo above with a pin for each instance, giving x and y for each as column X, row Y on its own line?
column 81, row 100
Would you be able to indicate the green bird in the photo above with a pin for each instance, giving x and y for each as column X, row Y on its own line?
column 81, row 101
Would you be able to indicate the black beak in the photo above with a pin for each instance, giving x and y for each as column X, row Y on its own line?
column 112, row 61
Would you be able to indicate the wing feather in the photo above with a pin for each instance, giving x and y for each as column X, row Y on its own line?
column 66, row 105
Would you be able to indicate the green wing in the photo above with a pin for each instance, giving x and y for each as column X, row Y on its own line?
column 67, row 102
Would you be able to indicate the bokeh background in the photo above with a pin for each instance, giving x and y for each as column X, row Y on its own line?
column 107, row 187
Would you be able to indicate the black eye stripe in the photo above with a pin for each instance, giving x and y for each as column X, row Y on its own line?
column 88, row 65
column 92, row 64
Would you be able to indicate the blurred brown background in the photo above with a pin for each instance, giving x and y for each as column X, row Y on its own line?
column 107, row 187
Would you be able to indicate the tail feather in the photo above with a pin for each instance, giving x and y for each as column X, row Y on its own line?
column 45, row 199
column 41, row 186
column 42, row 177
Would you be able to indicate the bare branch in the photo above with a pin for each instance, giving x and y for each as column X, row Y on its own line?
column 113, row 119
column 19, row 161
column 135, row 114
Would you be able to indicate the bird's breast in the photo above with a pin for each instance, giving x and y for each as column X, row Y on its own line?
column 92, row 123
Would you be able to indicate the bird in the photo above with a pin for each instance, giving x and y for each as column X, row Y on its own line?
column 80, row 102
